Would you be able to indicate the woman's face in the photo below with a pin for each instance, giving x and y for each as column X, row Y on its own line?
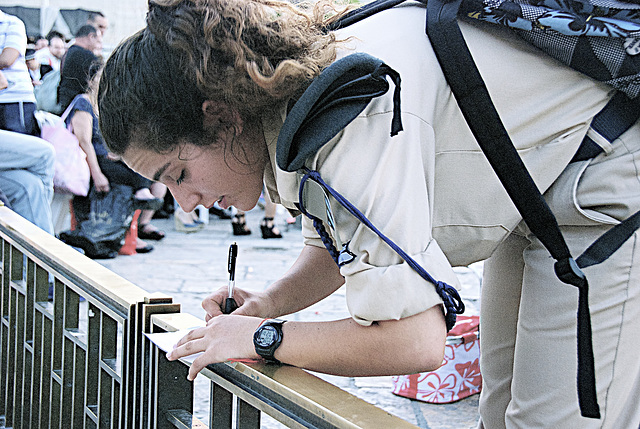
column 206, row 174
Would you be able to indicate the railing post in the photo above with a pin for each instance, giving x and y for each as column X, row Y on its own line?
column 221, row 410
column 247, row 416
column 172, row 389
column 147, row 363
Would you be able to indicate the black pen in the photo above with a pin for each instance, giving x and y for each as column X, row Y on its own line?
column 230, row 304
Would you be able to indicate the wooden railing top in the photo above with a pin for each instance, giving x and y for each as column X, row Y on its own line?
column 296, row 386
column 68, row 263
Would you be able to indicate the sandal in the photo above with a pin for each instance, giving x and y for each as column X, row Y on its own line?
column 186, row 227
column 268, row 228
column 151, row 234
column 142, row 247
column 239, row 225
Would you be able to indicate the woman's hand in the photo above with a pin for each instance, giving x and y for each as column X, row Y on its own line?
column 100, row 182
column 257, row 304
column 225, row 337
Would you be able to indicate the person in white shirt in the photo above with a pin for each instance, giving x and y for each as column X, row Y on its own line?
column 51, row 56
column 17, row 101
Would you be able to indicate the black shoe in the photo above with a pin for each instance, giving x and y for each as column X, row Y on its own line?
column 154, row 234
column 267, row 227
column 239, row 225
column 146, row 249
column 221, row 213
column 91, row 249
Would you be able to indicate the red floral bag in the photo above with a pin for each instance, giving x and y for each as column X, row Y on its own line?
column 458, row 377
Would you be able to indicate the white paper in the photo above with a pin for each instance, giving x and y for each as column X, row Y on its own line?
column 166, row 341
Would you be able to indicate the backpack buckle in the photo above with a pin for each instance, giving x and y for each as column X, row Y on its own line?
column 569, row 272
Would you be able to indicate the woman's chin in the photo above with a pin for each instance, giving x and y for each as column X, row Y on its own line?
column 249, row 206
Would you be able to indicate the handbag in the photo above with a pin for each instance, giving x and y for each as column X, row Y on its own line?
column 457, row 378
column 72, row 173
column 102, row 221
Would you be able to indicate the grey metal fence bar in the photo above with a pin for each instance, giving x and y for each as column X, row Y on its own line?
column 73, row 354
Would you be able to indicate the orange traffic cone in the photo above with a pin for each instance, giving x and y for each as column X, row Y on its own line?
column 131, row 237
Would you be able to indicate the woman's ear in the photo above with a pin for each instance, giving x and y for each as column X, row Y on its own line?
column 219, row 115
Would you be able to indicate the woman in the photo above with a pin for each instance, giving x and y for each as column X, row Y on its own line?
column 206, row 123
column 105, row 168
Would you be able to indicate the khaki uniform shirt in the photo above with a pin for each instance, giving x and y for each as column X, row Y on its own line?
column 430, row 188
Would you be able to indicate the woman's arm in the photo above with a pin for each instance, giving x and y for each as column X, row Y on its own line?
column 342, row 347
column 82, row 124
column 312, row 277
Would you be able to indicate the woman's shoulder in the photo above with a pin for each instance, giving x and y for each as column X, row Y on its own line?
column 81, row 102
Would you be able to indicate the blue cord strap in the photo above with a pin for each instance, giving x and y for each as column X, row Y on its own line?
column 450, row 297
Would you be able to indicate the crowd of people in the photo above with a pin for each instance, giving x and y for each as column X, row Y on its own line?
column 27, row 162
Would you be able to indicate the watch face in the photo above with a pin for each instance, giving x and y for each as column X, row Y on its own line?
column 267, row 336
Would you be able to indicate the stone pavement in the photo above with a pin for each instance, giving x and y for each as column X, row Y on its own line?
column 189, row 266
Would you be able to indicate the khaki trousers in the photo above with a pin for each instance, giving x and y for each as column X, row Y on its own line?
column 528, row 317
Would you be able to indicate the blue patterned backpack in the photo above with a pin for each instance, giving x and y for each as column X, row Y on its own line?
column 600, row 38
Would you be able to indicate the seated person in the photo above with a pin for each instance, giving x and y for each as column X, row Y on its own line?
column 104, row 167
column 26, row 176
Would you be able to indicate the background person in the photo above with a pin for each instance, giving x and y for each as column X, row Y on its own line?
column 17, row 101
column 33, row 66
column 105, row 168
column 99, row 21
column 80, row 65
column 50, row 57
column 26, row 176
column 40, row 42
column 207, row 125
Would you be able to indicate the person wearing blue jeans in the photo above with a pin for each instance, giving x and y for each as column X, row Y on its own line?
column 26, row 176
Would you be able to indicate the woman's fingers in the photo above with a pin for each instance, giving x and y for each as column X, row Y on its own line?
column 225, row 337
column 214, row 303
column 198, row 365
column 191, row 335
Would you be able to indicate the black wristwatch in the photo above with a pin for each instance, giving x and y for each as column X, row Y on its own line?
column 267, row 339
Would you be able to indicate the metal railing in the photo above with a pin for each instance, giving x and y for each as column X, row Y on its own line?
column 73, row 354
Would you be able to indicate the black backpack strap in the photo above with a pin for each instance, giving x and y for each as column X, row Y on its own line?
column 620, row 113
column 483, row 119
column 334, row 99
column 361, row 13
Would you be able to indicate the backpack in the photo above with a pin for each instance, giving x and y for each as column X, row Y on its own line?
column 600, row 38
column 47, row 93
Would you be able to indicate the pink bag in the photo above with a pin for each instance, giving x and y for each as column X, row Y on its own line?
column 458, row 377
column 72, row 173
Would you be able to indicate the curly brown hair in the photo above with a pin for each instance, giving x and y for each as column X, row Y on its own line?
column 249, row 54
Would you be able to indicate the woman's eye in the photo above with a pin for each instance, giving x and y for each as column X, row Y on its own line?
column 181, row 178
